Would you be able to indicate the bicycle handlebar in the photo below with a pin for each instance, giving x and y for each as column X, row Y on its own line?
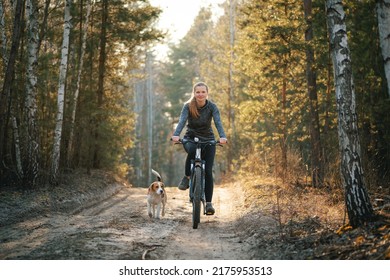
column 209, row 142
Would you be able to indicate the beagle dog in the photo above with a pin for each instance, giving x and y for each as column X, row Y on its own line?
column 156, row 198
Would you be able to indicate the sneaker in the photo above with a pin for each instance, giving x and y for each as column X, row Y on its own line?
column 209, row 209
column 184, row 184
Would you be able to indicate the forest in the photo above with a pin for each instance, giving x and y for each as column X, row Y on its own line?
column 303, row 89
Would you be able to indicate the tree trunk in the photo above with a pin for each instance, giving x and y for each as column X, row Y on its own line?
column 3, row 35
column 43, row 28
column 150, row 111
column 76, row 94
column 316, row 150
column 358, row 204
column 31, row 169
column 383, row 15
column 232, row 147
column 328, row 104
column 18, row 156
column 5, row 97
column 61, row 95
column 100, row 91
column 283, row 138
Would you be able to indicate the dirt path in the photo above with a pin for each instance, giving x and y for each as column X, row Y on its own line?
column 119, row 228
column 215, row 237
column 252, row 221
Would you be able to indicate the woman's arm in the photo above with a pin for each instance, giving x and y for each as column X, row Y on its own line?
column 182, row 120
column 218, row 122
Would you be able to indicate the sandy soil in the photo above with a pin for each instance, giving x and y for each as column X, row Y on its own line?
column 119, row 228
column 97, row 217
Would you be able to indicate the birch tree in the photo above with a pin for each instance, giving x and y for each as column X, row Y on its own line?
column 31, row 158
column 383, row 15
column 76, row 94
column 61, row 94
column 358, row 204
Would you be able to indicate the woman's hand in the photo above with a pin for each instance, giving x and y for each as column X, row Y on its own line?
column 222, row 140
column 175, row 139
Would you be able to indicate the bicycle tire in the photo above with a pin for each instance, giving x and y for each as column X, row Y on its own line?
column 197, row 183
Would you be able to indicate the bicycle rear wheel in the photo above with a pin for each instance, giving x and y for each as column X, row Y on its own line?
column 197, row 184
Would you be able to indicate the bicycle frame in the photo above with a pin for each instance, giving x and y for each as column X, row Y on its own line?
column 197, row 162
column 198, row 173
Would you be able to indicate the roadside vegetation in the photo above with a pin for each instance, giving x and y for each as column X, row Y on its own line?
column 82, row 92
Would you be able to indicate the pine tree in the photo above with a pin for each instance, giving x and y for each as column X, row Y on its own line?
column 317, row 169
column 5, row 95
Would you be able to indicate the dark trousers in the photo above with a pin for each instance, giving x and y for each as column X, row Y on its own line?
column 208, row 155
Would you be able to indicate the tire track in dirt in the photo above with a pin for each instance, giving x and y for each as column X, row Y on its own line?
column 216, row 236
column 119, row 228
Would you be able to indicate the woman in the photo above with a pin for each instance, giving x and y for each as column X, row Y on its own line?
column 197, row 112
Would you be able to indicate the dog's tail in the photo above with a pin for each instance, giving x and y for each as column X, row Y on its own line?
column 159, row 178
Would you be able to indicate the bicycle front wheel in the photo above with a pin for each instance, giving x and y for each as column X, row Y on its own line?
column 197, row 184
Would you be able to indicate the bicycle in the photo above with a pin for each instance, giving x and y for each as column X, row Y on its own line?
column 197, row 178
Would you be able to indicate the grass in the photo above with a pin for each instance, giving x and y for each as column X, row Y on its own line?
column 295, row 221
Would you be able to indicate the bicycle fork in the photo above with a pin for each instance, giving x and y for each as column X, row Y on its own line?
column 196, row 163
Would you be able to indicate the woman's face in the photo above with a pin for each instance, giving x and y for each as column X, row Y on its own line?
column 200, row 94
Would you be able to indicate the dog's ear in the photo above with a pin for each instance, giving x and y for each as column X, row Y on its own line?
column 150, row 188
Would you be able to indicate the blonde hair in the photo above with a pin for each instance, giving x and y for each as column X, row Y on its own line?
column 192, row 101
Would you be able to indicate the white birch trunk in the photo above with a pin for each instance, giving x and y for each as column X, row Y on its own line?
column 31, row 158
column 383, row 15
column 358, row 204
column 76, row 94
column 61, row 94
